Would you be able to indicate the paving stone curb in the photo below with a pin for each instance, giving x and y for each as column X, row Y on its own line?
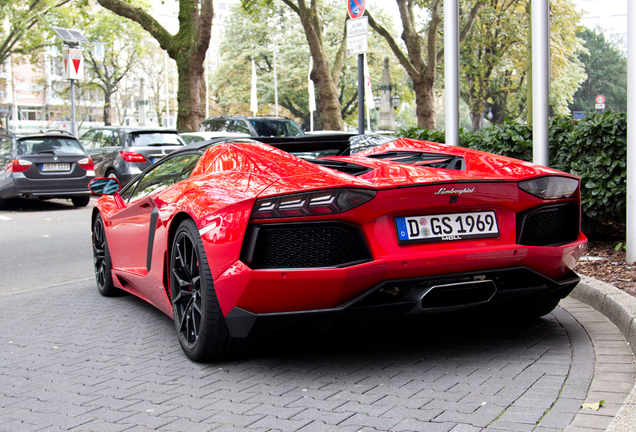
column 620, row 308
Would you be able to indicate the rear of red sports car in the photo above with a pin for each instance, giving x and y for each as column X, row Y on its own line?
column 405, row 227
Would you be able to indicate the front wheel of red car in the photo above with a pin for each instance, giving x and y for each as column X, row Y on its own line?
column 198, row 319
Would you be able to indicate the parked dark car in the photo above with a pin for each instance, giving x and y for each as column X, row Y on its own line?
column 253, row 126
column 44, row 166
column 123, row 152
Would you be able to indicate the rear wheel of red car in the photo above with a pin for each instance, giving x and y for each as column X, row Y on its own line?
column 101, row 260
column 198, row 319
column 81, row 201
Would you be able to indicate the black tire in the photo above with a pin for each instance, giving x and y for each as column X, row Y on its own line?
column 198, row 319
column 111, row 173
column 81, row 201
column 101, row 260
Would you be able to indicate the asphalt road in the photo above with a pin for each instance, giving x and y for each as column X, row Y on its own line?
column 44, row 244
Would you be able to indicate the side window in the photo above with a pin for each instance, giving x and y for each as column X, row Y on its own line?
column 165, row 174
column 108, row 139
column 238, row 126
column 5, row 147
column 88, row 139
column 213, row 125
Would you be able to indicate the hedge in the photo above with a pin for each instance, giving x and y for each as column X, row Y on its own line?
column 594, row 149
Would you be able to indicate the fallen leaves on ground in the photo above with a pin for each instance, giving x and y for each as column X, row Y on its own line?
column 611, row 268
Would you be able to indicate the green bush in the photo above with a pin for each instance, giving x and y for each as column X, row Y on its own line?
column 594, row 149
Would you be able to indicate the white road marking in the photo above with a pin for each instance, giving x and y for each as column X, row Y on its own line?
column 4, row 218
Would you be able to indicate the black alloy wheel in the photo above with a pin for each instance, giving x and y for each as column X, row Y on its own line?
column 202, row 331
column 101, row 260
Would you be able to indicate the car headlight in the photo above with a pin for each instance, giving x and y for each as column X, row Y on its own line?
column 311, row 203
column 550, row 187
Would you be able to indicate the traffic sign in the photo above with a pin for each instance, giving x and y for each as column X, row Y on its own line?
column 357, row 36
column 73, row 64
column 600, row 99
column 355, row 8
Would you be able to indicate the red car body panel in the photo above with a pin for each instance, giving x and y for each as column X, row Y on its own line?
column 220, row 194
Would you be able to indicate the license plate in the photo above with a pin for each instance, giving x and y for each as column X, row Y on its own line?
column 56, row 167
column 446, row 227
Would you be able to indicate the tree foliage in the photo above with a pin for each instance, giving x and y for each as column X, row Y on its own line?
column 495, row 66
column 22, row 26
column 423, row 49
column 247, row 39
column 326, row 76
column 606, row 70
column 115, row 47
column 188, row 48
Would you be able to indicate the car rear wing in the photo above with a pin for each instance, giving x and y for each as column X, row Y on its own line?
column 312, row 146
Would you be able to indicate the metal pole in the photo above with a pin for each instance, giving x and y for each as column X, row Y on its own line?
column 541, row 80
column 275, row 81
column 165, row 61
column 73, row 123
column 630, row 256
column 361, row 94
column 451, row 70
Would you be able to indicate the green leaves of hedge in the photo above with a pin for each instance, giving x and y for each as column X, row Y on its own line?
column 594, row 149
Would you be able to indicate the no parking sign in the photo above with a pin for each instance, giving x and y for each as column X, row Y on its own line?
column 355, row 8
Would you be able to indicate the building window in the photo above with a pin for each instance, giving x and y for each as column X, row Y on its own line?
column 29, row 113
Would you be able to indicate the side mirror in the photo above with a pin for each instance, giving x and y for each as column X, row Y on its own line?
column 104, row 186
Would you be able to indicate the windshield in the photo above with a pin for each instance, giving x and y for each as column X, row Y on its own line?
column 141, row 139
column 49, row 145
column 282, row 128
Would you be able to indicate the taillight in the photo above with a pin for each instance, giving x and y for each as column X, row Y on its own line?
column 311, row 203
column 132, row 157
column 19, row 165
column 86, row 163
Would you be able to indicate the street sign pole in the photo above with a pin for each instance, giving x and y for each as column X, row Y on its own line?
column 73, row 121
column 357, row 43
column 361, row 94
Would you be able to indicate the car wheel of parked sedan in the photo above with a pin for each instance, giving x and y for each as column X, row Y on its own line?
column 101, row 260
column 198, row 319
column 81, row 201
column 112, row 174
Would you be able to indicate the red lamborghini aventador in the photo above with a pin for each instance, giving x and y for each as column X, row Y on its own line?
column 228, row 237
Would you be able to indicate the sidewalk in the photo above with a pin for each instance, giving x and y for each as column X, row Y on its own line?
column 620, row 308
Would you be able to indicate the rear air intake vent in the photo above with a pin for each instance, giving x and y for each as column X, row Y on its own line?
column 549, row 225
column 304, row 245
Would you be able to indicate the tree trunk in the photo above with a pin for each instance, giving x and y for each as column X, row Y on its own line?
column 107, row 109
column 191, row 105
column 326, row 90
column 425, row 104
column 187, row 48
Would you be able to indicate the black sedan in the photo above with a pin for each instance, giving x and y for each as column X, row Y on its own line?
column 44, row 166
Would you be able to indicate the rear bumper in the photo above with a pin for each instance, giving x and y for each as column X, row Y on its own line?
column 48, row 188
column 433, row 294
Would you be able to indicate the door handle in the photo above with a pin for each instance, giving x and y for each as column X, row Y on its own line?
column 145, row 206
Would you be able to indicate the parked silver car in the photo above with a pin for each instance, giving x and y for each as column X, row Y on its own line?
column 123, row 152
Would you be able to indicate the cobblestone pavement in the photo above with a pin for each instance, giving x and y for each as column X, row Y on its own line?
column 73, row 360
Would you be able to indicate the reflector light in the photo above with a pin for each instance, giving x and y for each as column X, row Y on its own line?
column 86, row 163
column 311, row 203
column 550, row 187
column 132, row 157
column 19, row 165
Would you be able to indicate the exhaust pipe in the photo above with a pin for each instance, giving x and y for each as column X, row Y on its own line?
column 453, row 295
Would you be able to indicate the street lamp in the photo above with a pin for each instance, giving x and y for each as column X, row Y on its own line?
column 396, row 100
